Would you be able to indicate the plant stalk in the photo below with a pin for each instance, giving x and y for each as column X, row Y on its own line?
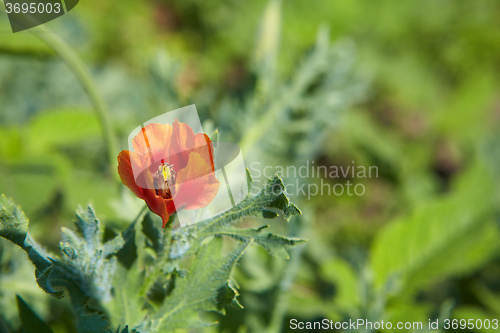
column 81, row 72
column 83, row 75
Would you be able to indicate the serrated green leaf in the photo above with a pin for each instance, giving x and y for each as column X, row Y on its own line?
column 84, row 268
column 31, row 323
column 270, row 202
column 87, row 268
column 275, row 244
column 92, row 323
column 271, row 198
column 14, row 225
column 88, row 226
column 88, row 257
column 207, row 287
column 112, row 246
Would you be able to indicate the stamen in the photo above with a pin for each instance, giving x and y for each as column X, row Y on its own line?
column 164, row 176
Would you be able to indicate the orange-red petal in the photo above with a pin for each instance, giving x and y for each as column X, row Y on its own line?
column 189, row 154
column 152, row 141
column 195, row 168
column 196, row 185
column 182, row 138
column 127, row 174
column 158, row 205
column 203, row 145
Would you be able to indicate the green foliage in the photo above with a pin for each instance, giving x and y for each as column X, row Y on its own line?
column 207, row 287
column 421, row 243
column 91, row 258
column 49, row 167
column 69, row 127
column 270, row 200
column 294, row 110
column 274, row 244
column 15, row 223
column 439, row 239
column 135, row 279
column 83, row 269
column 30, row 321
column 15, row 228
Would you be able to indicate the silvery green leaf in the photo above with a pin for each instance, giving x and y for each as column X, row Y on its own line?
column 206, row 287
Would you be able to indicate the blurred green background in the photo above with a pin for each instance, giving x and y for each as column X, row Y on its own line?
column 411, row 87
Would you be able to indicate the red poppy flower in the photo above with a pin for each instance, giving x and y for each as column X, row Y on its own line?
column 170, row 168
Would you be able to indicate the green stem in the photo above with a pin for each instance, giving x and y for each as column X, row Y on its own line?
column 81, row 72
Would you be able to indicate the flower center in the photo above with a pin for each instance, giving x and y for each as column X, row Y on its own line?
column 164, row 176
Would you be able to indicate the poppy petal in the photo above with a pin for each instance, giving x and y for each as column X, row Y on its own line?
column 196, row 184
column 157, row 205
column 152, row 139
column 190, row 155
column 182, row 138
column 195, row 168
column 204, row 146
column 207, row 188
column 127, row 174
